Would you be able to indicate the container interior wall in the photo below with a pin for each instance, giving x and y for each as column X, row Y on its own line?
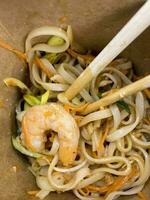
column 94, row 23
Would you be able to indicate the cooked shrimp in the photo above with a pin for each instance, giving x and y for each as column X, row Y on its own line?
column 40, row 118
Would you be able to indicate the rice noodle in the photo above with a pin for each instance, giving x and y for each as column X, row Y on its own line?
column 70, row 169
column 143, row 144
column 121, row 144
column 95, row 116
column 83, row 172
column 85, row 198
column 125, row 130
column 116, row 116
column 46, row 30
column 47, row 86
column 106, row 161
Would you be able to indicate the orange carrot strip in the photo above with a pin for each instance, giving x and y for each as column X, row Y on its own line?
column 78, row 118
column 75, row 55
column 75, row 108
column 142, row 196
column 116, row 185
column 94, row 154
column 10, row 48
column 67, row 107
column 43, row 67
column 122, row 180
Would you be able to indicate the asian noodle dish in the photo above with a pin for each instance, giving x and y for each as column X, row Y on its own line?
column 96, row 154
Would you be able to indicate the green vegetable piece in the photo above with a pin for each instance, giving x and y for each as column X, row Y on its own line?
column 101, row 91
column 99, row 94
column 122, row 104
column 52, row 57
column 31, row 100
column 55, row 41
column 44, row 97
column 17, row 145
column 26, row 106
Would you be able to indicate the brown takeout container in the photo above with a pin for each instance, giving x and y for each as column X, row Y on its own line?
column 94, row 24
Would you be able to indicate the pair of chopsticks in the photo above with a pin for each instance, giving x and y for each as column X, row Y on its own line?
column 136, row 25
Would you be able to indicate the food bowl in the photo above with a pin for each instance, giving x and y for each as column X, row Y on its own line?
column 94, row 24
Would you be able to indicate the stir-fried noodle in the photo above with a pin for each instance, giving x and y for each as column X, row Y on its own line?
column 101, row 155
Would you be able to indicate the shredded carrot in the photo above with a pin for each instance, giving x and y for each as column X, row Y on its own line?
column 33, row 193
column 102, row 140
column 43, row 67
column 76, row 55
column 94, row 154
column 67, row 108
column 75, row 108
column 67, row 176
column 142, row 196
column 10, row 48
column 147, row 92
column 116, row 185
column 24, row 57
column 120, row 181
column 78, row 118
